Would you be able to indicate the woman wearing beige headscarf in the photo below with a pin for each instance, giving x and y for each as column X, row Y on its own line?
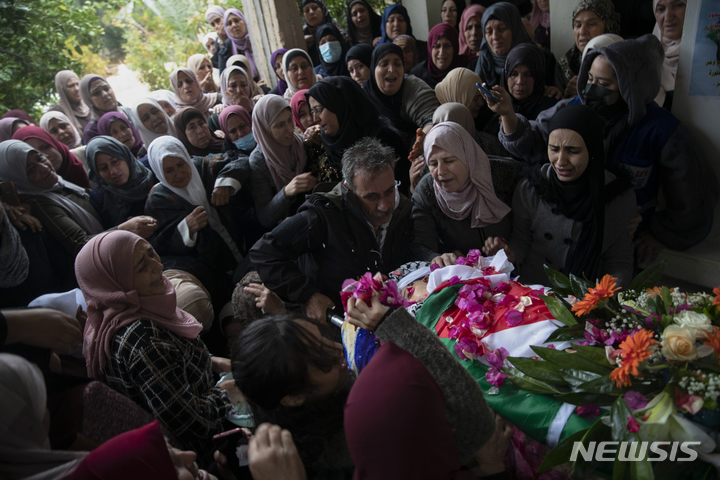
column 459, row 86
column 203, row 70
column 67, row 85
column 188, row 92
column 670, row 18
column 242, row 62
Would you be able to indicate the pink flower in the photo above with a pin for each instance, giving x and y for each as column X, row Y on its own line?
column 632, row 425
column 551, row 346
column 513, row 318
column 691, row 403
column 496, row 359
column 454, row 280
column 588, row 411
column 635, row 400
column 612, row 354
column 466, row 349
column 434, row 267
column 495, row 377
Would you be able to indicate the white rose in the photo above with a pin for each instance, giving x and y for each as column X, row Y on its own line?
column 697, row 321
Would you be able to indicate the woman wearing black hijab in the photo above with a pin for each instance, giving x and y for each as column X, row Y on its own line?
column 363, row 23
column 192, row 130
column 345, row 117
column 524, row 79
column 316, row 13
column 407, row 102
column 333, row 48
column 358, row 60
column 559, row 210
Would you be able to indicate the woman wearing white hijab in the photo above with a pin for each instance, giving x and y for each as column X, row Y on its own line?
column 165, row 99
column 67, row 86
column 152, row 121
column 297, row 78
column 455, row 207
column 184, row 210
column 61, row 128
column 236, row 88
column 24, row 446
column 670, row 18
column 242, row 61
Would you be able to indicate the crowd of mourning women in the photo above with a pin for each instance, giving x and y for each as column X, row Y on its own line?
column 210, row 228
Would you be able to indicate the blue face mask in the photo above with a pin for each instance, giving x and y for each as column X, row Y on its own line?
column 246, row 143
column 331, row 52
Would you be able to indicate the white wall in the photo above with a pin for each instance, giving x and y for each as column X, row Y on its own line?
column 424, row 14
column 700, row 264
column 561, row 32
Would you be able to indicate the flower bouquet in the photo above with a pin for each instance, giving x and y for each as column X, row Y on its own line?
column 647, row 357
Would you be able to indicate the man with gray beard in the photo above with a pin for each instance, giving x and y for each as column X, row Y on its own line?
column 362, row 225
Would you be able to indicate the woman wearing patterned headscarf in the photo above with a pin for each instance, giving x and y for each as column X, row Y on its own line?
column 590, row 19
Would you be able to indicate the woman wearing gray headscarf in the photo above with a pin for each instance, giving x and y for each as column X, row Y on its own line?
column 67, row 85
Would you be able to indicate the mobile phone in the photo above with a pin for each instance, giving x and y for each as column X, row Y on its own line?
column 8, row 194
column 489, row 93
column 228, row 444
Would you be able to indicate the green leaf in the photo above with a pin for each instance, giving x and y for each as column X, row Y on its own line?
column 594, row 354
column 545, row 371
column 648, row 278
column 523, row 382
column 577, row 377
column 558, row 310
column 581, row 399
column 601, row 385
column 667, row 299
column 559, row 282
column 579, row 286
column 570, row 360
column 619, row 414
column 564, row 334
column 562, row 451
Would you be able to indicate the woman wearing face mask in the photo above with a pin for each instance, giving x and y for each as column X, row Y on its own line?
column 192, row 130
column 193, row 207
column 67, row 86
column 188, row 92
column 337, row 103
column 278, row 167
column 316, row 13
column 363, row 23
column 470, row 31
column 64, row 162
column 670, row 17
column 299, row 72
column 239, row 35
column 123, row 182
column 142, row 345
column 276, row 60
column 152, row 121
column 443, row 55
column 236, row 124
column 332, row 49
column 455, row 207
column 97, row 94
column 358, row 61
column 203, row 70
column 63, row 208
column 620, row 82
column 590, row 19
column 571, row 214
column 121, row 129
column 406, row 102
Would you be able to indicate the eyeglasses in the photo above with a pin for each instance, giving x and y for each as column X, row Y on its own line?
column 303, row 66
column 317, row 110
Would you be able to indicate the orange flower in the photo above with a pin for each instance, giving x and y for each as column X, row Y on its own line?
column 713, row 339
column 587, row 304
column 605, row 289
column 716, row 291
column 654, row 291
column 635, row 349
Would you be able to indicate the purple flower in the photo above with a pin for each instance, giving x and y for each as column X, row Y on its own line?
column 495, row 377
column 466, row 349
column 588, row 411
column 508, row 301
column 496, row 359
column 434, row 267
column 551, row 346
column 513, row 318
column 635, row 400
column 502, row 287
column 454, row 280
column 461, row 261
column 632, row 425
column 474, row 255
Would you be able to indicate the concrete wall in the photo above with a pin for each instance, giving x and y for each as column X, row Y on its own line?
column 273, row 24
column 561, row 32
column 424, row 14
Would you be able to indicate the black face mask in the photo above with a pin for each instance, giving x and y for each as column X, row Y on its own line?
column 597, row 97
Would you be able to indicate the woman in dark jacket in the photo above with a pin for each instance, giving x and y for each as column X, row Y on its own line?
column 363, row 23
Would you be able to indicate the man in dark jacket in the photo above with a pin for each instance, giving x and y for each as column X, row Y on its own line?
column 362, row 225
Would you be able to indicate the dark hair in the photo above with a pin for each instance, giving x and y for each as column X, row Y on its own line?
column 368, row 156
column 270, row 361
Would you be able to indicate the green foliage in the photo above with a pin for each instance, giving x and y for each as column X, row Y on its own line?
column 161, row 32
column 39, row 38
column 338, row 9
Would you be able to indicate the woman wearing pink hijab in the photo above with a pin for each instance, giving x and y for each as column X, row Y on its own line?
column 142, row 345
column 470, row 30
column 455, row 208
